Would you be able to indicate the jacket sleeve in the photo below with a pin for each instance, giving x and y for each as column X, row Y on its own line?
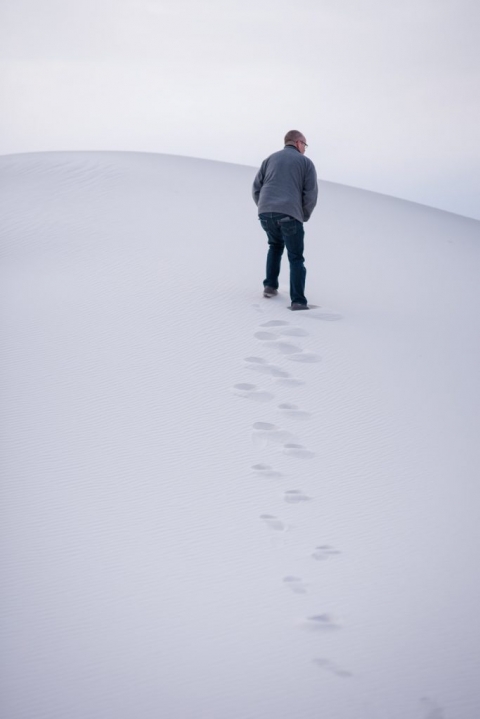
column 310, row 192
column 258, row 183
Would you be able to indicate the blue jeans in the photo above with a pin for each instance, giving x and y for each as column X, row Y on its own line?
column 283, row 230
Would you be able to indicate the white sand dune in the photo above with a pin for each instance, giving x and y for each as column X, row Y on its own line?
column 215, row 508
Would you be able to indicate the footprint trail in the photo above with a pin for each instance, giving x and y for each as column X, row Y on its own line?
column 281, row 336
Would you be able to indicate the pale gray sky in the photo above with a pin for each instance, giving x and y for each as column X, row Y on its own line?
column 387, row 93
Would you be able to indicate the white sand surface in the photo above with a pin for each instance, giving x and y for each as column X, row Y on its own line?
column 214, row 508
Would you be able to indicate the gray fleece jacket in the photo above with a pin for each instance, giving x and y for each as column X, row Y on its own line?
column 286, row 182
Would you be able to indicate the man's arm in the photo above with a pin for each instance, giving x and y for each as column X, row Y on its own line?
column 310, row 192
column 258, row 183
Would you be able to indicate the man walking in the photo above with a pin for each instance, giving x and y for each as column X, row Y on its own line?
column 285, row 190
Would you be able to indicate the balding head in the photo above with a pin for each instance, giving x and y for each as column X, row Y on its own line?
column 293, row 136
column 296, row 139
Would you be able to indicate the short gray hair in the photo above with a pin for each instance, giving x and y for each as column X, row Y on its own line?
column 293, row 136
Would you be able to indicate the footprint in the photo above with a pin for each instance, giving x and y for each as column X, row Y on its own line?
column 294, row 332
column 286, row 348
column 264, row 470
column 332, row 668
column 295, row 584
column 274, row 323
column 320, row 623
column 291, row 410
column 325, row 316
column 273, row 523
column 290, row 381
column 265, row 433
column 297, row 450
column 324, row 551
column 278, row 372
column 304, row 357
column 250, row 391
column 284, row 328
column 433, row 711
column 258, row 364
column 264, row 336
column 295, row 496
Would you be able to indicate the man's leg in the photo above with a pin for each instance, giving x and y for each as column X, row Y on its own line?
column 293, row 234
column 276, row 246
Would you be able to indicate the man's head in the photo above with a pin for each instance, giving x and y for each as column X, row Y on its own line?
column 297, row 139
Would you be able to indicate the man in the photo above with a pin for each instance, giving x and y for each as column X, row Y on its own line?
column 285, row 190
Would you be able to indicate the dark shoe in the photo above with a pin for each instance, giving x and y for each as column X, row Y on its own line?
column 269, row 292
column 297, row 306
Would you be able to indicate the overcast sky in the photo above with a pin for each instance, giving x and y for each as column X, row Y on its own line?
column 387, row 93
